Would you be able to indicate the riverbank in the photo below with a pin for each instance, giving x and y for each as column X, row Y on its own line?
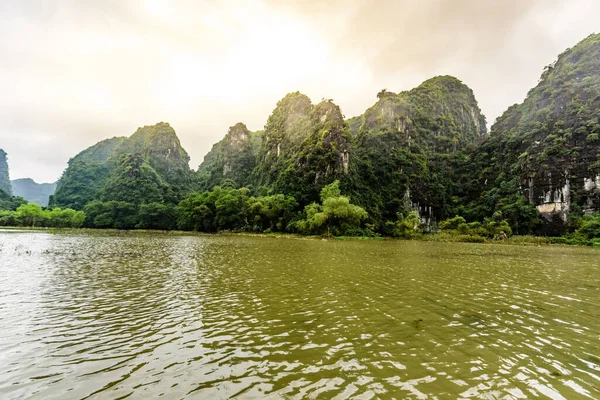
column 522, row 240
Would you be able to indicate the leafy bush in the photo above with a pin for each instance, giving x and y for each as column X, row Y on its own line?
column 32, row 215
column 452, row 223
column 589, row 227
column 405, row 227
column 336, row 216
column 111, row 214
column 157, row 216
column 491, row 228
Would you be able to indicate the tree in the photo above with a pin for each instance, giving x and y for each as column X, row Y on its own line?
column 8, row 202
column 30, row 215
column 589, row 227
column 67, row 218
column 405, row 227
column 157, row 216
column 272, row 213
column 232, row 209
column 330, row 191
column 8, row 218
column 194, row 213
column 111, row 214
column 336, row 216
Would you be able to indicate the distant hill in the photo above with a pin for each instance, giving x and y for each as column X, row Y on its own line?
column 33, row 192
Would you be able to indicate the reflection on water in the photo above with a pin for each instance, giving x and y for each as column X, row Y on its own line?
column 149, row 315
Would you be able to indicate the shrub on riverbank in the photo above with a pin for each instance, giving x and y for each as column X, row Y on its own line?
column 235, row 210
column 32, row 215
column 588, row 227
column 405, row 227
column 491, row 228
column 336, row 215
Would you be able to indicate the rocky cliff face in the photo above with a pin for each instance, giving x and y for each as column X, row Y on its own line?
column 233, row 158
column 133, row 180
column 98, row 153
column 160, row 147
column 399, row 139
column 287, row 126
column 4, row 176
column 326, row 150
column 554, row 135
column 424, row 150
column 440, row 115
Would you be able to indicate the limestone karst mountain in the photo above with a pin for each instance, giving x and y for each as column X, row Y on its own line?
column 381, row 157
column 92, row 173
column 548, row 147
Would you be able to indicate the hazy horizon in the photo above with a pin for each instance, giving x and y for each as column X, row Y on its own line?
column 74, row 73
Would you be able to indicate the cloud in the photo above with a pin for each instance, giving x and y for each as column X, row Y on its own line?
column 75, row 72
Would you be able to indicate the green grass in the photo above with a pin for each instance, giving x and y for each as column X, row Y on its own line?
column 524, row 240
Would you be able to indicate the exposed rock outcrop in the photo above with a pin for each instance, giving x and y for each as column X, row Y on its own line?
column 4, row 175
column 555, row 132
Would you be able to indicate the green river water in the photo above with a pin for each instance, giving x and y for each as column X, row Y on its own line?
column 141, row 315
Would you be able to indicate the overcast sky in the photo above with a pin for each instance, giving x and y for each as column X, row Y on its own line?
column 76, row 72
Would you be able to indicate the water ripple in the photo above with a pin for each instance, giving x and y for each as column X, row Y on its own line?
column 150, row 315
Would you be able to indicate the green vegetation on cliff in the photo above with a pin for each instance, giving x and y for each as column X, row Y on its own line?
column 302, row 148
column 386, row 159
column 426, row 151
column 85, row 175
column 8, row 202
column 148, row 166
column 159, row 146
column 400, row 144
column 133, row 180
column 233, row 158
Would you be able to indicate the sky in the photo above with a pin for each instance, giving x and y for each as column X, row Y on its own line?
column 74, row 72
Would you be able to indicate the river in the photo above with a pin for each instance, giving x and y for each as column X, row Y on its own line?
column 150, row 315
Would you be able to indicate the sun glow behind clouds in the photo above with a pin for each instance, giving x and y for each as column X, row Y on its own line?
column 157, row 8
column 264, row 53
